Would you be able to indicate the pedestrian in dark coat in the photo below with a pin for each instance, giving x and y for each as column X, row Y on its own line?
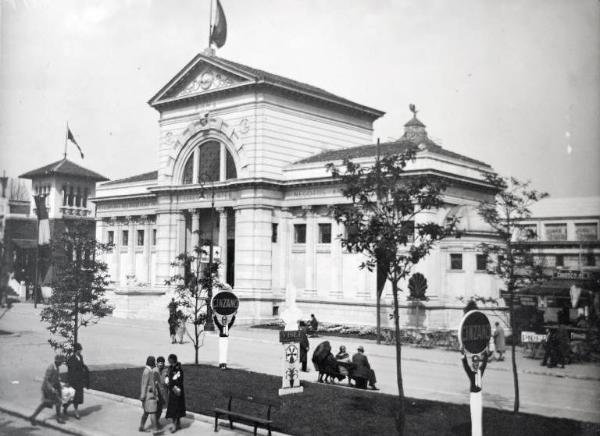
column 51, row 394
column 77, row 377
column 304, row 347
column 362, row 372
column 176, row 402
column 173, row 320
column 163, row 389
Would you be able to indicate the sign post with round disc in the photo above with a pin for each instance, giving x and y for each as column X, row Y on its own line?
column 225, row 305
column 474, row 334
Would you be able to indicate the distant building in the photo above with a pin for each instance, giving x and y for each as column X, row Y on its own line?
column 257, row 144
column 565, row 232
column 67, row 187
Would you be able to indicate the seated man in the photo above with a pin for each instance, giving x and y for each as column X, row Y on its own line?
column 363, row 372
column 313, row 325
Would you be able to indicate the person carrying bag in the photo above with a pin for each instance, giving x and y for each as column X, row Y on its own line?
column 148, row 395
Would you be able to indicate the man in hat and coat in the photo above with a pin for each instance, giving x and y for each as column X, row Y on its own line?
column 362, row 373
column 51, row 391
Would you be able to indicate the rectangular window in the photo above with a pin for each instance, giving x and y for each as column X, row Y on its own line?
column 560, row 260
column 325, row 233
column 586, row 231
column 556, row 232
column 528, row 232
column 154, row 237
column 125, row 238
column 482, row 262
column 299, row 233
column 456, row 261
column 110, row 239
column 591, row 260
column 140, row 238
column 274, row 232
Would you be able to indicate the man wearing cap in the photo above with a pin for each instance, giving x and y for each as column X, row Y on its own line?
column 362, row 372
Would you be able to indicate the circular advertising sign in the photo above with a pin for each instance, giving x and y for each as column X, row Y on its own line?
column 225, row 303
column 474, row 332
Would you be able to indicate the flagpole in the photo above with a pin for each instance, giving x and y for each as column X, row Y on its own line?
column 210, row 23
column 66, row 136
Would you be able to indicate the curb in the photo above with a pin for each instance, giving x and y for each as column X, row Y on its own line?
column 66, row 428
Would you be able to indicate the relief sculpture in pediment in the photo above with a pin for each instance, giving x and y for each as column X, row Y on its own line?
column 208, row 79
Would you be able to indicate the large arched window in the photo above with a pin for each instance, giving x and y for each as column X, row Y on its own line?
column 209, row 164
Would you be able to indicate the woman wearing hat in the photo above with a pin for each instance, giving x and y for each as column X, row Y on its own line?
column 78, row 378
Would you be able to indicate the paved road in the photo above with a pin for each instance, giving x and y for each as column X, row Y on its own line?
column 431, row 374
column 13, row 426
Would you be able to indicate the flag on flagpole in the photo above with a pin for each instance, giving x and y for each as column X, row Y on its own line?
column 43, row 224
column 71, row 138
column 218, row 36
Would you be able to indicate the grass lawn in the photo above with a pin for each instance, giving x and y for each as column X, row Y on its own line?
column 329, row 410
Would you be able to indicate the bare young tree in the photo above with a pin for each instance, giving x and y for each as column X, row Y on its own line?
column 381, row 222
column 510, row 261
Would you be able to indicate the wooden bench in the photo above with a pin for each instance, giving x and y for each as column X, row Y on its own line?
column 246, row 418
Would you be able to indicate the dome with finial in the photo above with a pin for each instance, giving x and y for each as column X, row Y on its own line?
column 414, row 129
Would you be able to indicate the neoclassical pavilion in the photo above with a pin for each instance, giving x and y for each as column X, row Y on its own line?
column 255, row 145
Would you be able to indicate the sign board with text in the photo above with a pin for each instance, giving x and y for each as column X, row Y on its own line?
column 532, row 338
column 475, row 332
column 225, row 303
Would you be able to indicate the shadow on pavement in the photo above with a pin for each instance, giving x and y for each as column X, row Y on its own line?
column 9, row 428
column 85, row 411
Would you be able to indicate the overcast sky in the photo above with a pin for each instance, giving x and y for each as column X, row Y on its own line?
column 515, row 83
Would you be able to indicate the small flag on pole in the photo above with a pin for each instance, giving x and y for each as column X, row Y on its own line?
column 71, row 138
column 43, row 224
column 218, row 36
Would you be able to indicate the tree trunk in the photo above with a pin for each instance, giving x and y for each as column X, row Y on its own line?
column 196, row 334
column 400, row 413
column 513, row 345
column 378, row 318
column 76, row 326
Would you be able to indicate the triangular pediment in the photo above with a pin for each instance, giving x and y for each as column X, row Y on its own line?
column 199, row 77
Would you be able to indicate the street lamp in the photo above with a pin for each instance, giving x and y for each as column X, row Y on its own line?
column 209, row 326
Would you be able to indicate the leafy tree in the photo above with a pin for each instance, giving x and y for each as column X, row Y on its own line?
column 382, row 223
column 191, row 290
column 78, row 287
column 508, row 259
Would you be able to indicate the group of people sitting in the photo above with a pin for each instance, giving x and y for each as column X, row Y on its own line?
column 339, row 367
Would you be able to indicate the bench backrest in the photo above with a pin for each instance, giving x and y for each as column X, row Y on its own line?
column 269, row 404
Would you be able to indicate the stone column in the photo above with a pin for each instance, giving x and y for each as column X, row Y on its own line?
column 196, row 165
column 286, row 247
column 310, row 281
column 223, row 242
column 195, row 217
column 147, row 247
column 131, row 245
column 336, row 259
column 117, row 250
column 166, row 244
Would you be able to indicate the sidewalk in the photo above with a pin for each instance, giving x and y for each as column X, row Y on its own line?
column 106, row 414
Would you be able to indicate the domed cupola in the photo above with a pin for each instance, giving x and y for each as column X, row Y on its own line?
column 414, row 129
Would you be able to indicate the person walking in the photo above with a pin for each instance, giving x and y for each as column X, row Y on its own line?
column 148, row 395
column 176, row 398
column 78, row 377
column 163, row 388
column 304, row 347
column 51, row 394
column 499, row 341
column 172, row 320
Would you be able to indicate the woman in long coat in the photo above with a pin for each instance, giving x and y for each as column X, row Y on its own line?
column 149, row 395
column 176, row 401
column 77, row 377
